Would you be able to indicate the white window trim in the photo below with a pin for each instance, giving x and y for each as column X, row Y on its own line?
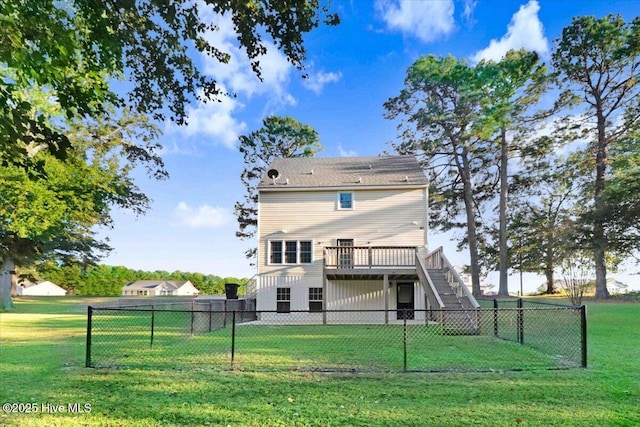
column 284, row 252
column 353, row 201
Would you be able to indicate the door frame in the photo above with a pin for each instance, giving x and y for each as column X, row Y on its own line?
column 405, row 310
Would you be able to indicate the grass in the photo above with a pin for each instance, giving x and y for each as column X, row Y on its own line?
column 179, row 339
column 42, row 358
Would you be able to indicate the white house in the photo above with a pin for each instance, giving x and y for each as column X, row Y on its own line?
column 160, row 288
column 45, row 288
column 348, row 234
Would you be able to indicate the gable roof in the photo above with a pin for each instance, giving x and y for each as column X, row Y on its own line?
column 28, row 284
column 344, row 172
column 152, row 284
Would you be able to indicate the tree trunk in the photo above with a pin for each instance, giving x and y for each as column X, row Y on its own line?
column 5, row 283
column 549, row 253
column 548, row 272
column 471, row 225
column 503, row 289
column 599, row 238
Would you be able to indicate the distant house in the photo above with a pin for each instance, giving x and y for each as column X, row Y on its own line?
column 160, row 288
column 46, row 288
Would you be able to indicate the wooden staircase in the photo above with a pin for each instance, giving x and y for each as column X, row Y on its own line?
column 446, row 292
column 454, row 307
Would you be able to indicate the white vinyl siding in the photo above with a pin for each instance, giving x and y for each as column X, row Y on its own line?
column 390, row 217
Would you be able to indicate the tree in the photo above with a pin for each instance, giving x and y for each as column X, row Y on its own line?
column 57, row 63
column 543, row 221
column 279, row 137
column 599, row 62
column 512, row 88
column 73, row 50
column 55, row 219
column 440, row 106
column 576, row 272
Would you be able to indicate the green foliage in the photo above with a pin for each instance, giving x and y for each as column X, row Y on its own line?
column 73, row 50
column 107, row 280
column 440, row 109
column 279, row 137
column 598, row 62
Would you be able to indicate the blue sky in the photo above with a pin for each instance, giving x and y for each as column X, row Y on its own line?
column 353, row 69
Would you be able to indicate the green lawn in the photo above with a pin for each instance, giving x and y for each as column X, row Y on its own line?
column 42, row 355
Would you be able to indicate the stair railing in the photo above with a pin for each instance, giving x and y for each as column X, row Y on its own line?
column 430, row 288
column 437, row 260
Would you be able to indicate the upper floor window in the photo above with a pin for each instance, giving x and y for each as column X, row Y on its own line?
column 275, row 249
column 290, row 252
column 345, row 201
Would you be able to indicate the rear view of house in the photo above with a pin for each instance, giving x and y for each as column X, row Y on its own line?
column 346, row 234
column 160, row 288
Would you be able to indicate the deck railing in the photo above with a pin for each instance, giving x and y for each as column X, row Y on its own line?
column 351, row 257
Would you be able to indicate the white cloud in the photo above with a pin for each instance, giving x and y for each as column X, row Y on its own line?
column 426, row 20
column 216, row 120
column 469, row 7
column 346, row 153
column 204, row 216
column 237, row 74
column 524, row 31
column 317, row 81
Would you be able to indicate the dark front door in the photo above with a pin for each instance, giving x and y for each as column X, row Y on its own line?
column 405, row 300
column 345, row 253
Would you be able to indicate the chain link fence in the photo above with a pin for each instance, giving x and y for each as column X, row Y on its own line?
column 199, row 335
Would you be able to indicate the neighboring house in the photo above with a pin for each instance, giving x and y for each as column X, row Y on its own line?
column 346, row 234
column 46, row 288
column 160, row 288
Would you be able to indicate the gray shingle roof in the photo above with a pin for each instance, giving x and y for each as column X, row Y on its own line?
column 337, row 172
column 151, row 284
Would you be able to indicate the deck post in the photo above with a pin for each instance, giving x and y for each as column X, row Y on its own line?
column 385, row 291
column 324, row 298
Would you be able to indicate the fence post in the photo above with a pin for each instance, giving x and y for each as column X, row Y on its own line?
column 210, row 314
column 192, row 316
column 520, row 322
column 495, row 317
column 583, row 324
column 153, row 325
column 87, row 363
column 233, row 337
column 404, row 341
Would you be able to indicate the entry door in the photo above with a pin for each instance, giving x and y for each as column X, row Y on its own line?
column 345, row 253
column 405, row 300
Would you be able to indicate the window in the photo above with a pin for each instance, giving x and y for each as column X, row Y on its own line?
column 290, row 252
column 345, row 201
column 276, row 253
column 306, row 252
column 315, row 299
column 283, row 300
